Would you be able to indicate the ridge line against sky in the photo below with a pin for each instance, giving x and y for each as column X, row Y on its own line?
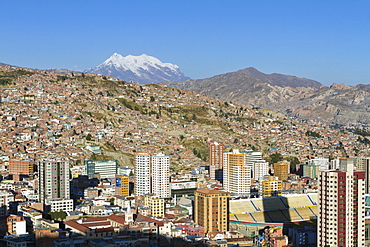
column 325, row 41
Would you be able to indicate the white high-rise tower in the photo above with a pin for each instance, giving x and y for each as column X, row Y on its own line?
column 237, row 174
column 142, row 174
column 152, row 175
column 161, row 176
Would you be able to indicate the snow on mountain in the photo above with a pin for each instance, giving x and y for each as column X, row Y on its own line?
column 142, row 69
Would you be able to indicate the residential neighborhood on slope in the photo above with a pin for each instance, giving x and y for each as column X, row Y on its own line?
column 90, row 160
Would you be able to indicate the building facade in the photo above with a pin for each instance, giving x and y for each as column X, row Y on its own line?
column 53, row 179
column 152, row 175
column 311, row 170
column 19, row 168
column 105, row 168
column 237, row 174
column 271, row 186
column 122, row 185
column 142, row 174
column 260, row 169
column 211, row 210
column 161, row 175
column 216, row 160
column 65, row 205
column 5, row 197
column 341, row 219
column 156, row 205
column 281, row 170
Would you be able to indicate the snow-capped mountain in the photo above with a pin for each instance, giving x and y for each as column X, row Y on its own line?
column 142, row 69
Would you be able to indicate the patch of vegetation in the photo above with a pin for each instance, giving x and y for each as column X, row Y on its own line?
column 58, row 215
column 7, row 77
column 131, row 105
column 364, row 140
column 275, row 157
column 294, row 161
column 62, row 77
column 361, row 132
column 199, row 148
column 313, row 134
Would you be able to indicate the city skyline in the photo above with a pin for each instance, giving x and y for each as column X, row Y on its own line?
column 323, row 41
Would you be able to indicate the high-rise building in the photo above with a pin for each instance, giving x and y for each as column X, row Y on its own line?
column 105, row 168
column 152, row 175
column 367, row 174
column 237, row 174
column 311, row 170
column 260, row 169
column 341, row 219
column 142, row 174
column 122, row 185
column 53, row 179
column 161, row 175
column 281, row 170
column 211, row 210
column 19, row 168
column 252, row 157
column 362, row 163
column 323, row 163
column 271, row 186
column 216, row 160
column 344, row 162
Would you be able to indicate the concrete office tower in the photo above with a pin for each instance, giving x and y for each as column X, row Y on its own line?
column 260, row 169
column 367, row 175
column 216, row 160
column 362, row 164
column 344, row 162
column 311, row 170
column 341, row 219
column 270, row 186
column 237, row 174
column 105, row 168
column 21, row 168
column 281, row 170
column 252, row 157
column 161, row 175
column 142, row 174
column 211, row 210
column 53, row 179
column 323, row 163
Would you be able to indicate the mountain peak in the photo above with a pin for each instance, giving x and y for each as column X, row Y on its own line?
column 142, row 69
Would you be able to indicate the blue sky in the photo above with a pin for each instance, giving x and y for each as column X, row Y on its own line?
column 328, row 41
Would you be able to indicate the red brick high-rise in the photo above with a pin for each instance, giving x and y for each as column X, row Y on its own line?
column 216, row 161
column 19, row 168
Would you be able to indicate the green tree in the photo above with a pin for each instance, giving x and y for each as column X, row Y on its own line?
column 89, row 137
column 294, row 161
column 111, row 200
column 58, row 215
column 276, row 157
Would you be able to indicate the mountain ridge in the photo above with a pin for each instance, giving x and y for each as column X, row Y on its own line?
column 290, row 95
